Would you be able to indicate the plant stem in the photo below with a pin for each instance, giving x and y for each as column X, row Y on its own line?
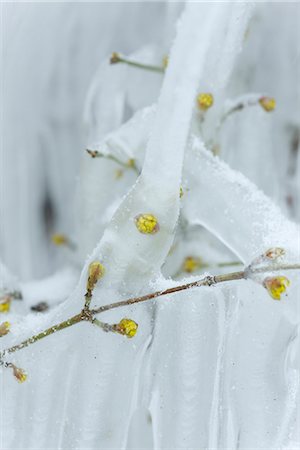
column 229, row 264
column 97, row 154
column 104, row 326
column 60, row 326
column 206, row 281
column 276, row 268
column 207, row 266
column 237, row 107
column 139, row 65
column 88, row 315
column 88, row 299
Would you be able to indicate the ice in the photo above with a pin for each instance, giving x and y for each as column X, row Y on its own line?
column 126, row 254
column 212, row 367
column 101, row 192
column 8, row 281
column 50, row 53
column 52, row 290
column 221, row 191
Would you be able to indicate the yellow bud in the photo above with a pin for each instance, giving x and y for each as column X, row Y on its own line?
column 267, row 103
column 147, row 223
column 205, row 101
column 20, row 374
column 131, row 163
column 115, row 58
column 4, row 328
column 127, row 327
column 276, row 286
column 191, row 264
column 165, row 61
column 59, row 239
column 274, row 253
column 95, row 272
column 181, row 192
column 5, row 304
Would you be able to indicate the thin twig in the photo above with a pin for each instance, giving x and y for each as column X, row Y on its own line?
column 229, row 264
column 60, row 326
column 129, row 165
column 88, row 315
column 204, row 265
column 104, row 326
column 242, row 104
column 207, row 281
column 117, row 58
column 88, row 299
column 277, row 268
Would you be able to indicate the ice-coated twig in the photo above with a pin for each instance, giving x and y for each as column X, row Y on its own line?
column 130, row 164
column 206, row 281
column 117, row 58
column 239, row 104
column 127, row 326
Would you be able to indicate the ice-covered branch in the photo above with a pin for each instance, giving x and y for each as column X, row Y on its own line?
column 275, row 285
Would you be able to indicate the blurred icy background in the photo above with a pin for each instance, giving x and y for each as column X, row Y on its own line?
column 213, row 369
column 50, row 52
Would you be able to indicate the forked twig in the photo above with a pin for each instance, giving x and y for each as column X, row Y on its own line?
column 88, row 315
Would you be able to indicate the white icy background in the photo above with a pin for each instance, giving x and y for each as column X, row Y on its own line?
column 210, row 368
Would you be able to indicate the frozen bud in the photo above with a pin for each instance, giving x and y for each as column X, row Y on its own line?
column 127, row 327
column 191, row 264
column 95, row 272
column 274, row 253
column 20, row 374
column 59, row 239
column 276, row 286
column 165, row 61
column 5, row 304
column 268, row 103
column 4, row 328
column 115, row 58
column 131, row 163
column 93, row 153
column 147, row 223
column 205, row 101
column 181, row 192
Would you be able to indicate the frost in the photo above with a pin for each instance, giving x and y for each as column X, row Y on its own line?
column 175, row 193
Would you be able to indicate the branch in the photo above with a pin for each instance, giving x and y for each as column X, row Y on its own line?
column 130, row 164
column 268, row 104
column 207, row 281
column 89, row 314
column 117, row 58
column 60, row 326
